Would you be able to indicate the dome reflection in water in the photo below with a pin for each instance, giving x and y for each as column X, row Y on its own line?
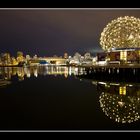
column 120, row 102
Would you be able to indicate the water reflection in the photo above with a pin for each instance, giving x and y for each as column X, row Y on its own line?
column 6, row 73
column 119, row 101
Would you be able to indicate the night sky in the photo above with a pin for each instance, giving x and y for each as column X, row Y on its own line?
column 53, row 32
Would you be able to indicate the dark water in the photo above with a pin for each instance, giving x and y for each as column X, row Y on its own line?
column 55, row 98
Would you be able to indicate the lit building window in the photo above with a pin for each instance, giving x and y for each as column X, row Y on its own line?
column 123, row 55
column 122, row 90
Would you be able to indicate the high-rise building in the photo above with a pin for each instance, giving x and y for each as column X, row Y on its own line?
column 28, row 57
column 20, row 57
column 87, row 56
column 5, row 59
column 14, row 61
column 65, row 55
column 35, row 56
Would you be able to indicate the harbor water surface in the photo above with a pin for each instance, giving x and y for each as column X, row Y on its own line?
column 57, row 98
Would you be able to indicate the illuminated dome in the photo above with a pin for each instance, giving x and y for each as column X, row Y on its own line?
column 123, row 32
column 122, row 109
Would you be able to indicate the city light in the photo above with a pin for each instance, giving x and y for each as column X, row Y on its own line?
column 123, row 32
column 119, row 108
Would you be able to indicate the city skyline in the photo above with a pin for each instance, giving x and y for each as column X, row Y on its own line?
column 69, row 69
column 54, row 32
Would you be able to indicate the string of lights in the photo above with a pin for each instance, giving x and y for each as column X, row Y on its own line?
column 123, row 32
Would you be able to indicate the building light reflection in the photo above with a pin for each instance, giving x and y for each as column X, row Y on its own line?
column 121, row 109
column 22, row 72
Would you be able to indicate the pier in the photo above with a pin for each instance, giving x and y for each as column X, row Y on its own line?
column 118, row 73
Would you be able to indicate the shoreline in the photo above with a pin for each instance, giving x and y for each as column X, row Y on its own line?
column 11, row 66
column 114, row 66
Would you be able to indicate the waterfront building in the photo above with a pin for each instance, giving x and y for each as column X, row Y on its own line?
column 5, row 59
column 20, row 57
column 120, row 41
column 14, row 61
column 87, row 56
column 87, row 59
column 65, row 55
column 35, row 57
column 77, row 56
column 28, row 57
column 75, row 60
column 94, row 60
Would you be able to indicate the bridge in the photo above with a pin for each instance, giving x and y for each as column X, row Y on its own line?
column 50, row 60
